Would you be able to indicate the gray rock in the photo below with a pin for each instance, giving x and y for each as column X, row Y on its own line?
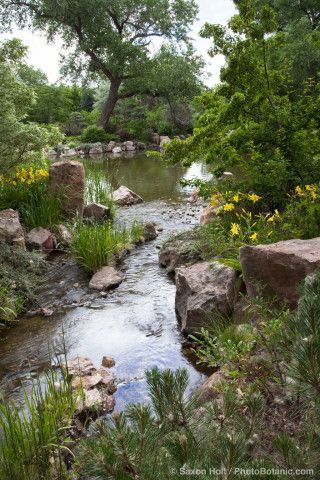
column 150, row 232
column 105, row 279
column 117, row 150
column 124, row 196
column 95, row 211
column 202, row 290
column 64, row 235
column 11, row 230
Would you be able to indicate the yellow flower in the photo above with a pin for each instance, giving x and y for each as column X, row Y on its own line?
column 314, row 195
column 235, row 229
column 299, row 191
column 235, row 198
column 253, row 236
column 310, row 188
column 254, row 197
column 228, row 207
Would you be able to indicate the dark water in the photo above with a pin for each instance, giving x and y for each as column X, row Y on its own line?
column 136, row 323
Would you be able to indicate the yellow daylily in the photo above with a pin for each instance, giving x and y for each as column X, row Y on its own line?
column 299, row 191
column 254, row 197
column 228, row 207
column 235, row 229
column 253, row 236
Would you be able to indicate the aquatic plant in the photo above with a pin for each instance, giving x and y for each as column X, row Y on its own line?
column 34, row 441
column 95, row 246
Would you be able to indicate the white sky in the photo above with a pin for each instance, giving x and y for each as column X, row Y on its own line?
column 46, row 57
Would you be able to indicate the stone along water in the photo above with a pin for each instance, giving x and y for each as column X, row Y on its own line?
column 136, row 323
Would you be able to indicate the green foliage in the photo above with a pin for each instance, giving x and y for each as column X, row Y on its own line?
column 167, row 440
column 19, row 141
column 304, row 339
column 94, row 134
column 34, row 442
column 95, row 246
column 98, row 187
column 36, row 205
column 21, row 273
column 108, row 40
column 263, row 118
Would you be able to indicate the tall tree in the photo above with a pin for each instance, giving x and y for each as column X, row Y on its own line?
column 111, row 38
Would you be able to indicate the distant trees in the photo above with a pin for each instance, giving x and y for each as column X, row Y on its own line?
column 20, row 141
column 107, row 38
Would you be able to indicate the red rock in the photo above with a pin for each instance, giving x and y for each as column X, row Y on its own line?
column 42, row 239
column 95, row 211
column 67, row 178
column 108, row 362
column 279, row 268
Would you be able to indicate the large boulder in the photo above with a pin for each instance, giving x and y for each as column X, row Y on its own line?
column 117, row 149
column 124, row 196
column 279, row 268
column 96, row 149
column 180, row 250
column 11, row 231
column 41, row 239
column 128, row 146
column 67, row 178
column 207, row 215
column 204, row 289
column 95, row 211
column 105, row 279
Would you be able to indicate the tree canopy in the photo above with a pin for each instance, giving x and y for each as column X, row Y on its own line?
column 264, row 116
column 108, row 38
column 20, row 141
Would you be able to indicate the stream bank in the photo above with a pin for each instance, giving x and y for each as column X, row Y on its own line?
column 136, row 323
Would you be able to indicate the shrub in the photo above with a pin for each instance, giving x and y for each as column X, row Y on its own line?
column 93, row 134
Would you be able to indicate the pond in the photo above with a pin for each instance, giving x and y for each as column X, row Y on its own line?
column 136, row 323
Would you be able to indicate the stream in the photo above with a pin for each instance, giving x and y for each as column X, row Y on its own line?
column 135, row 323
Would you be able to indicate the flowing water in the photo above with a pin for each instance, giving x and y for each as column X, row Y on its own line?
column 136, row 323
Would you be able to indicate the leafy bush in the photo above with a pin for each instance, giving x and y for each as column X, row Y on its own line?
column 20, row 274
column 93, row 134
column 95, row 246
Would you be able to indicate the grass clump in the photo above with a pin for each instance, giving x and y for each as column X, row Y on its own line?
column 34, row 442
column 95, row 246
column 20, row 274
column 26, row 191
column 98, row 187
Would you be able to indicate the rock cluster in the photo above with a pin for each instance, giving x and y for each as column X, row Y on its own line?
column 97, row 385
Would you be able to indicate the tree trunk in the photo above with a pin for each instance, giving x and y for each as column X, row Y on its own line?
column 110, row 103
